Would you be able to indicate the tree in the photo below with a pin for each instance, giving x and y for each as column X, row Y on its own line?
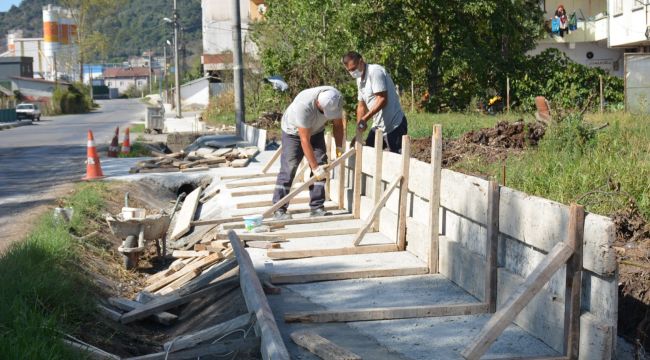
column 86, row 13
column 453, row 49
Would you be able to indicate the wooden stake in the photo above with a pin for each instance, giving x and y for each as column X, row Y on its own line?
column 376, row 210
column 379, row 155
column 572, row 295
column 272, row 160
column 403, row 195
column 412, row 96
column 272, row 345
column 350, row 250
column 434, row 199
column 186, row 215
column 555, row 259
column 602, row 94
column 492, row 246
column 508, row 94
column 328, row 151
column 358, row 161
column 322, row 347
column 307, row 184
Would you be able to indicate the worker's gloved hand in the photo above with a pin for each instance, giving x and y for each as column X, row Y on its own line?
column 339, row 151
column 320, row 173
column 362, row 125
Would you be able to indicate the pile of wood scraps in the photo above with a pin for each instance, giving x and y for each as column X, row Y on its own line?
column 201, row 159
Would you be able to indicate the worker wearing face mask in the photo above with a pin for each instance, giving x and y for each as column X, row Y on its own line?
column 378, row 101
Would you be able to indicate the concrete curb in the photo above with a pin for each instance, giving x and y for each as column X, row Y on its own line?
column 15, row 124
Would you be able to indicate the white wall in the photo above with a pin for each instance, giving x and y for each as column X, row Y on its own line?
column 29, row 48
column 627, row 28
column 197, row 93
column 608, row 59
column 217, row 37
column 122, row 84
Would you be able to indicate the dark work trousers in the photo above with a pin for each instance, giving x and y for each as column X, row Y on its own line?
column 392, row 140
column 291, row 157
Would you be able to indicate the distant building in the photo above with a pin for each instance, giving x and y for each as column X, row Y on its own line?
column 217, row 34
column 198, row 92
column 36, row 90
column 17, row 45
column 16, row 66
column 124, row 78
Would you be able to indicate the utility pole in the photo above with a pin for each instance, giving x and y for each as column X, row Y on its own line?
column 177, row 70
column 238, row 66
column 150, row 73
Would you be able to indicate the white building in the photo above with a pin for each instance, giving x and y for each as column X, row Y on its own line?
column 198, row 92
column 217, row 34
column 124, row 78
column 17, row 45
column 589, row 43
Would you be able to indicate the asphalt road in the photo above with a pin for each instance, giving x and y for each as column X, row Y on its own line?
column 36, row 159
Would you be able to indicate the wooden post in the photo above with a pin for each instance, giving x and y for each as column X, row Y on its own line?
column 434, row 198
column 573, row 289
column 508, row 94
column 358, row 160
column 492, row 246
column 404, row 190
column 328, row 146
column 412, row 96
column 374, row 213
column 341, row 170
column 272, row 344
column 272, row 160
column 379, row 155
column 602, row 95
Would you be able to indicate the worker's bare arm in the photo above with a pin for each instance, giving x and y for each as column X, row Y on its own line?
column 339, row 132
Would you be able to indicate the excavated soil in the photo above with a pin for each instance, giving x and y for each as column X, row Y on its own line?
column 491, row 144
column 633, row 249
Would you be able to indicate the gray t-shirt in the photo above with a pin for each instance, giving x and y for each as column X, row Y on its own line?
column 375, row 81
column 303, row 113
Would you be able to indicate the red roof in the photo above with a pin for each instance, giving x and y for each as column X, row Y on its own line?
column 217, row 58
column 126, row 72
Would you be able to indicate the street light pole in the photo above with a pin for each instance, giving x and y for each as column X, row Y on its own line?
column 238, row 66
column 177, row 69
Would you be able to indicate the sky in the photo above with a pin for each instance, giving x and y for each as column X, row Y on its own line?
column 6, row 4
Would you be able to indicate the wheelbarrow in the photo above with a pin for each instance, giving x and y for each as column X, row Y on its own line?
column 136, row 231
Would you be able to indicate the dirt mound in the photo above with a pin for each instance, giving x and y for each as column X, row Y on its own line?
column 491, row 144
column 268, row 121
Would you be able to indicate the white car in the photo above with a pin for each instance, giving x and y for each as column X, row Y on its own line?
column 28, row 111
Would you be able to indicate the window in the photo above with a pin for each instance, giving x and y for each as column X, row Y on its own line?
column 618, row 7
column 121, row 83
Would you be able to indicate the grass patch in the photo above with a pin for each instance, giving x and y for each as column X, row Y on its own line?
column 137, row 128
column 608, row 166
column 43, row 291
column 138, row 149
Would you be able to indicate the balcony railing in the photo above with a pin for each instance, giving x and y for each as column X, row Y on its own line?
column 587, row 31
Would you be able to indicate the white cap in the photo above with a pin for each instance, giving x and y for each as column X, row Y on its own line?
column 331, row 102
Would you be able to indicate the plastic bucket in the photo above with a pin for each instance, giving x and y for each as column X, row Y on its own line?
column 252, row 221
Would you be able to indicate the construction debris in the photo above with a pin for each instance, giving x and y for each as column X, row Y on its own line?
column 203, row 158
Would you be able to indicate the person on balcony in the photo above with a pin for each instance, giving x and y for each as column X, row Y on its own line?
column 561, row 17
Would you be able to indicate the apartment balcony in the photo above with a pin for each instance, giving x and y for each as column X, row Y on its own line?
column 588, row 31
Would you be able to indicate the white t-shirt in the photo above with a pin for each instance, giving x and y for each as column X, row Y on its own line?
column 303, row 113
column 377, row 80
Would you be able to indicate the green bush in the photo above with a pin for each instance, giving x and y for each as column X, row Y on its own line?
column 566, row 84
column 72, row 100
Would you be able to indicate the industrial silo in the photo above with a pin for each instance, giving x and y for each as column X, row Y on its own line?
column 51, row 44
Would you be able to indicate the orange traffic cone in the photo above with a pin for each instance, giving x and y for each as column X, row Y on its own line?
column 93, row 168
column 114, row 149
column 126, row 145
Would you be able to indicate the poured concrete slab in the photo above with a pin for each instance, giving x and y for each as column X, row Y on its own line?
column 333, row 242
column 421, row 338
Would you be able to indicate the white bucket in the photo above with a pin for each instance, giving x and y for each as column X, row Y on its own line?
column 252, row 221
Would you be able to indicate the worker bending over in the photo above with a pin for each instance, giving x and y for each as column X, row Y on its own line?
column 377, row 100
column 303, row 128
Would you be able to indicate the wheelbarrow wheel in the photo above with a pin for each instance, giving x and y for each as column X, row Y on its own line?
column 131, row 259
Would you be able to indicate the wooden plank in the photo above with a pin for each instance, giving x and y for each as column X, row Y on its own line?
column 186, row 215
column 349, row 250
column 272, row 160
column 356, row 191
column 492, row 244
column 306, row 220
column 386, row 313
column 374, row 213
column 175, row 299
column 252, row 192
column 208, row 277
column 341, row 183
column 264, row 203
column 300, row 172
column 293, row 209
column 89, row 351
column 328, row 151
column 191, row 340
column 313, row 233
column 221, row 349
column 164, row 318
column 250, row 183
column 272, row 345
column 178, row 283
column 379, row 156
column 406, row 161
column 322, row 347
column 270, row 237
column 347, row 274
column 573, row 291
column 434, row 199
column 248, row 176
column 306, row 185
column 518, row 300
column 206, row 261
column 189, row 253
column 506, row 357
column 109, row 313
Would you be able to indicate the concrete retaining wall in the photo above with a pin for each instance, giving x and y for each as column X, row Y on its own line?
column 529, row 227
column 253, row 135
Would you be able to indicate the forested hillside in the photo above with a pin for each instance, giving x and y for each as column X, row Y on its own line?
column 139, row 25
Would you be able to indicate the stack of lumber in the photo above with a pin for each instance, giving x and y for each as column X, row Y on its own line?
column 201, row 159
